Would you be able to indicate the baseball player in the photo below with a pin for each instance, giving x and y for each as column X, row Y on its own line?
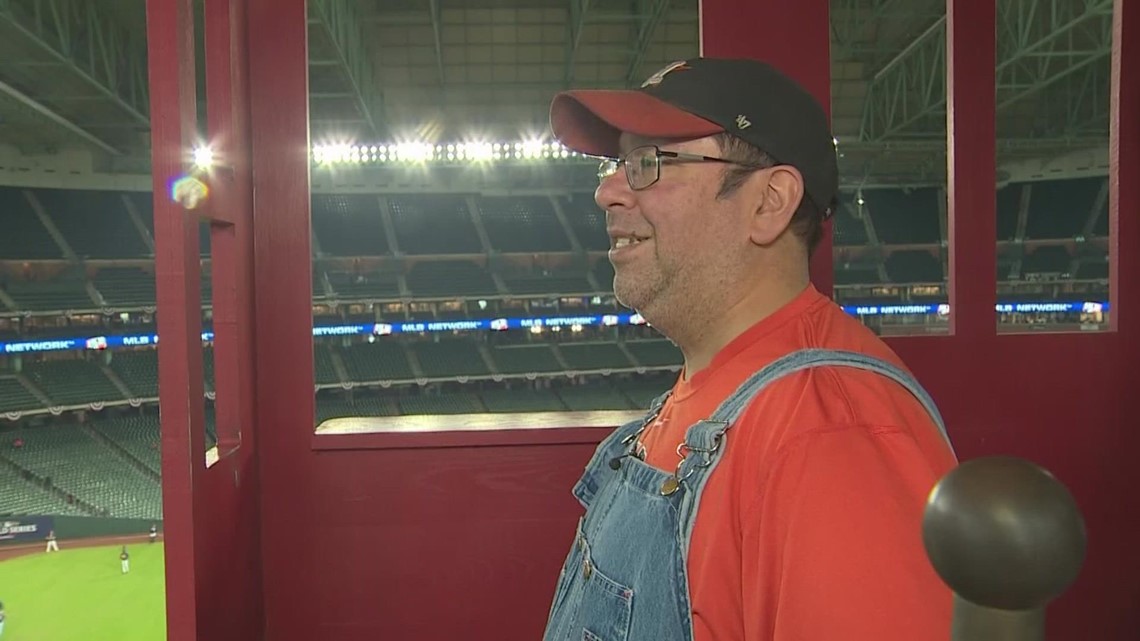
column 125, row 560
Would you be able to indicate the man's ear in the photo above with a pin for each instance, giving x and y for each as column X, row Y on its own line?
column 777, row 204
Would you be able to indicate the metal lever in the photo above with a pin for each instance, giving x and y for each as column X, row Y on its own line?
column 1007, row 537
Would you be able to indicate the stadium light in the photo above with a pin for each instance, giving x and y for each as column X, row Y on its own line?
column 453, row 153
column 477, row 151
column 203, row 157
column 415, row 151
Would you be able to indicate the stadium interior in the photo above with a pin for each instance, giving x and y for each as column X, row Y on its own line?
column 420, row 247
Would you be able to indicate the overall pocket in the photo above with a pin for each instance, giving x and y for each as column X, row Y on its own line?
column 565, row 580
column 606, row 607
column 588, row 604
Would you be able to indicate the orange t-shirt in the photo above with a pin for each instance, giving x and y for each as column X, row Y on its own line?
column 810, row 527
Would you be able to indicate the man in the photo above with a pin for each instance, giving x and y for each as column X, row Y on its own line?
column 1, row 619
column 125, row 560
column 153, row 536
column 52, row 544
column 776, row 493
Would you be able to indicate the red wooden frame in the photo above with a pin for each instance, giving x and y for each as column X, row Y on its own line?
column 213, row 577
column 443, row 536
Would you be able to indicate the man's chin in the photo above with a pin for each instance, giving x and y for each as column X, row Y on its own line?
column 631, row 301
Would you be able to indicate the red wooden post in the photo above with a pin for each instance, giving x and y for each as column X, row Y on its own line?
column 210, row 519
column 279, row 112
column 971, row 187
column 1124, row 294
column 1124, row 169
column 173, row 117
column 794, row 37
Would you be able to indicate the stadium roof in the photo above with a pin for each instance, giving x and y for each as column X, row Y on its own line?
column 73, row 81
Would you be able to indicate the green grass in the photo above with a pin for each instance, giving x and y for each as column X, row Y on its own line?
column 82, row 594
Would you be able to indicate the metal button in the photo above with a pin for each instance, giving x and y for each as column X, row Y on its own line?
column 587, row 569
column 670, row 486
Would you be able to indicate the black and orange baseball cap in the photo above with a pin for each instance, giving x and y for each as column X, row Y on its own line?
column 694, row 98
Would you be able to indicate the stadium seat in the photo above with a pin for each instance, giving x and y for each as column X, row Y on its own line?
column 105, row 479
column 588, row 222
column 19, row 495
column 14, row 397
column 138, row 370
column 525, row 359
column 434, row 225
column 449, row 358
column 902, row 217
column 1059, row 208
column 349, row 225
column 848, row 230
column 914, row 267
column 67, row 292
column 441, row 404
column 96, row 224
column 72, row 382
column 126, row 287
column 371, row 285
column 24, row 237
column 380, row 361
column 522, row 224
column 594, row 356
column 437, row 279
column 594, row 396
column 655, row 353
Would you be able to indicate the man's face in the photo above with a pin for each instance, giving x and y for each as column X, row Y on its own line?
column 673, row 245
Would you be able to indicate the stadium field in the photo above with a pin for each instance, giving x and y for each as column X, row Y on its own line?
column 81, row 593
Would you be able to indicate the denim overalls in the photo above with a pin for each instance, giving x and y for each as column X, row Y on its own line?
column 625, row 578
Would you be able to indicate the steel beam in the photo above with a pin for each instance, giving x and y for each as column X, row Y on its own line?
column 857, row 27
column 1087, row 107
column 1031, row 36
column 1036, row 65
column 1079, row 102
column 437, row 32
column 575, row 23
column 912, row 85
column 79, row 37
column 851, row 18
column 649, row 14
column 51, row 115
column 341, row 23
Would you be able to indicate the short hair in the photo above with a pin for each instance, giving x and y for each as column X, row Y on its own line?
column 807, row 221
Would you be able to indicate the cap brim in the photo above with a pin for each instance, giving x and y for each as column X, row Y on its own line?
column 592, row 121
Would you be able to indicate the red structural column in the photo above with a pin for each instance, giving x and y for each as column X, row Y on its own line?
column 1124, row 169
column 1124, row 283
column 971, row 184
column 793, row 36
column 210, row 516
column 279, row 112
column 170, row 49
column 227, row 547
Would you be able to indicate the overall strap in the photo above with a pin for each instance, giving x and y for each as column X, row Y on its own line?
column 705, row 440
column 733, row 406
column 616, row 444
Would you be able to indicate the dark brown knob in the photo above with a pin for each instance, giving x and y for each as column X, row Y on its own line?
column 1004, row 533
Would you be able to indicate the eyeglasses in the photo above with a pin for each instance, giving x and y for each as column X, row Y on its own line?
column 643, row 165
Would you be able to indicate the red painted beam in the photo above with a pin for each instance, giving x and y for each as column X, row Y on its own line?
column 279, row 115
column 1124, row 170
column 970, row 128
column 228, row 554
column 764, row 31
column 170, row 51
column 1124, row 292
